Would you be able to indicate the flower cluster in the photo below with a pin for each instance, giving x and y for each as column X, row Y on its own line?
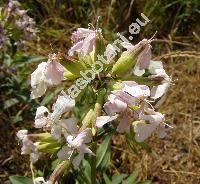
column 13, row 16
column 123, row 92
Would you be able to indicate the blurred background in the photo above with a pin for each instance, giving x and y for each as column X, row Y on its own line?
column 174, row 160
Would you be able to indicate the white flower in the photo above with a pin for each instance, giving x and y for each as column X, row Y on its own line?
column 76, row 142
column 127, row 103
column 41, row 180
column 144, row 57
column 155, row 123
column 47, row 74
column 110, row 52
column 64, row 103
column 40, row 118
column 28, row 147
column 21, row 134
column 157, row 71
column 84, row 41
column 52, row 120
column 38, row 83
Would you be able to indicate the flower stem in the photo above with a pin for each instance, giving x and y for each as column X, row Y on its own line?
column 93, row 163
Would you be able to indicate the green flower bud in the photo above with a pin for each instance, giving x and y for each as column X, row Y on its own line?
column 87, row 120
column 114, row 85
column 69, row 75
column 99, row 47
column 126, row 62
column 74, row 67
column 48, row 147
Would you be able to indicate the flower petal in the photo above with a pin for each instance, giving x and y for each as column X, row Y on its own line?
column 82, row 138
column 102, row 120
column 77, row 160
column 56, row 131
column 64, row 153
column 21, row 134
column 110, row 52
column 63, row 104
column 124, row 125
column 88, row 44
column 54, row 73
column 38, row 81
column 75, row 48
column 40, row 118
column 70, row 125
column 114, row 105
column 143, row 131
column 38, row 75
column 144, row 57
column 160, row 90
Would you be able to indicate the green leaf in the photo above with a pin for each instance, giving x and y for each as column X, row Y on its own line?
column 106, row 179
column 132, row 178
column 20, row 180
column 7, row 60
column 87, row 170
column 118, row 178
column 9, row 103
column 55, row 163
column 23, row 60
column 106, row 161
column 84, row 175
column 145, row 182
column 15, row 119
column 102, row 150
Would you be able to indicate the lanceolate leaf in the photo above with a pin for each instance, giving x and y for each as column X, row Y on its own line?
column 20, row 180
column 103, row 149
column 132, row 178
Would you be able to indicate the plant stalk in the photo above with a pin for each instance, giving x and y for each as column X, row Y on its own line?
column 93, row 163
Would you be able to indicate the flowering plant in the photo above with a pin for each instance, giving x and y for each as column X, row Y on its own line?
column 118, row 92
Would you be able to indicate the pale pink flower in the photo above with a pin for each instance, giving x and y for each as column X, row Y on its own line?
column 28, row 147
column 124, row 124
column 76, row 143
column 110, row 53
column 127, row 103
column 155, row 124
column 114, row 105
column 45, row 119
column 47, row 74
column 102, row 120
column 84, row 41
column 143, row 59
column 157, row 71
column 54, row 71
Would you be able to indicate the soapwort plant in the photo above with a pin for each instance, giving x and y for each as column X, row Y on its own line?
column 120, row 98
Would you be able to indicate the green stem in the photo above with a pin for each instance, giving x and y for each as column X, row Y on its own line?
column 93, row 163
column 59, row 170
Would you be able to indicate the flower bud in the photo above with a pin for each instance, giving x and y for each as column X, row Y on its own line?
column 99, row 46
column 74, row 67
column 70, row 76
column 48, row 147
column 113, row 85
column 87, row 121
column 126, row 62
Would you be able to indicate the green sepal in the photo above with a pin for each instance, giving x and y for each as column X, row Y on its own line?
column 126, row 62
